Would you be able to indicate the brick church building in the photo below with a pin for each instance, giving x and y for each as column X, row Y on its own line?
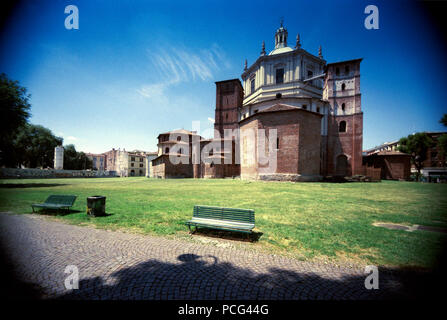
column 294, row 104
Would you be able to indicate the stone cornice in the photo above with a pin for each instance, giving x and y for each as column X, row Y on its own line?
column 280, row 55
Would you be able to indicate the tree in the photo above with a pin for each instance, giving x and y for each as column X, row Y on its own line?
column 14, row 114
column 34, row 146
column 444, row 120
column 74, row 160
column 417, row 145
column 442, row 140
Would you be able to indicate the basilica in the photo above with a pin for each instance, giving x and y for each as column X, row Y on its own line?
column 313, row 108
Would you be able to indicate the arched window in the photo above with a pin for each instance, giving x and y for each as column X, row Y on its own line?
column 252, row 85
column 180, row 151
column 179, row 138
column 167, row 150
column 347, row 70
column 337, row 71
column 343, row 87
column 341, row 165
column 342, row 126
column 343, row 106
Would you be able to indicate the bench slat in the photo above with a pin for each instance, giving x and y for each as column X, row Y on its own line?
column 221, row 222
column 235, row 219
column 61, row 199
column 56, row 202
column 225, row 216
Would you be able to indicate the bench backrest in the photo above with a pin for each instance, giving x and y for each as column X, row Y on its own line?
column 67, row 200
column 227, row 214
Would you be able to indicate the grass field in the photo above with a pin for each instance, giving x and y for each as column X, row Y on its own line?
column 307, row 220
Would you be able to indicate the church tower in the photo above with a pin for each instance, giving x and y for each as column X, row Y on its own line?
column 345, row 120
column 229, row 96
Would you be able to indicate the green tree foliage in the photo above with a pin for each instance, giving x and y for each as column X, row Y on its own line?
column 14, row 114
column 444, row 120
column 74, row 160
column 417, row 145
column 27, row 144
column 442, row 141
column 34, row 146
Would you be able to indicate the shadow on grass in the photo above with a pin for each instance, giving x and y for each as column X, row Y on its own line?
column 30, row 185
column 105, row 215
column 55, row 212
column 342, row 179
column 228, row 235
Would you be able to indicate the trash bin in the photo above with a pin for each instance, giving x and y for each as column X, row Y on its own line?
column 96, row 206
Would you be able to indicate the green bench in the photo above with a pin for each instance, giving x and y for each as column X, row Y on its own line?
column 232, row 219
column 56, row 202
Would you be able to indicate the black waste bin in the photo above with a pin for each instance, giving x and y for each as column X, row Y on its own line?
column 96, row 206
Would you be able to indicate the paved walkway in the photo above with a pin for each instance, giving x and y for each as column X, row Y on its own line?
column 117, row 265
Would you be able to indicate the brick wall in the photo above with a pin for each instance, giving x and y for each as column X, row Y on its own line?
column 347, row 144
column 162, row 167
column 229, row 97
column 299, row 136
column 397, row 167
column 374, row 173
column 392, row 166
column 344, row 149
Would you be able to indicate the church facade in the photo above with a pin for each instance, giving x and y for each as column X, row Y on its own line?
column 294, row 105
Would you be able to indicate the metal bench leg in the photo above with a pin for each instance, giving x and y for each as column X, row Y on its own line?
column 191, row 231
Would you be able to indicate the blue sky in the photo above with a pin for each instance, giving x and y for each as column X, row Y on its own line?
column 135, row 69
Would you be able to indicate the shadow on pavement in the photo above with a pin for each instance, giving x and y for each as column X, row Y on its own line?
column 228, row 235
column 195, row 277
column 12, row 288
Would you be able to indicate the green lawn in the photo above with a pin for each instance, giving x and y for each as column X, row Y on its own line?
column 307, row 220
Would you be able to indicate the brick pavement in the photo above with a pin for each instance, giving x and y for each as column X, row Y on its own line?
column 118, row 265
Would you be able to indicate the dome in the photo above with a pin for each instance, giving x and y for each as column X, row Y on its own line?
column 280, row 50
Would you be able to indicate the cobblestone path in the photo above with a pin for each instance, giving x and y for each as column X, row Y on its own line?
column 117, row 265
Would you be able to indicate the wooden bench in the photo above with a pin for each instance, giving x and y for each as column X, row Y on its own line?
column 232, row 219
column 56, row 202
